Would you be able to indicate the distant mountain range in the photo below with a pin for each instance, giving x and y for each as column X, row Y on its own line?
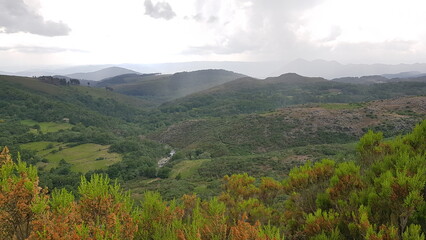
column 381, row 79
column 315, row 68
column 413, row 74
column 102, row 74
column 333, row 69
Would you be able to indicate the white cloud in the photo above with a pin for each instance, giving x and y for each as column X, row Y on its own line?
column 37, row 49
column 159, row 10
column 116, row 31
column 255, row 29
column 16, row 16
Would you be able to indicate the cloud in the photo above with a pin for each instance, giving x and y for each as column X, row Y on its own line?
column 369, row 52
column 201, row 19
column 16, row 16
column 334, row 33
column 37, row 49
column 245, row 42
column 257, row 29
column 212, row 19
column 159, row 10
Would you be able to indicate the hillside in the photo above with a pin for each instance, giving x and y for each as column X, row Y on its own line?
column 263, row 127
column 294, row 126
column 163, row 88
column 362, row 80
column 249, row 95
column 381, row 79
column 125, row 79
column 102, row 74
column 36, row 100
column 271, row 143
column 69, row 130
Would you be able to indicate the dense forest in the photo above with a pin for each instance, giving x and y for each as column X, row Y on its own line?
column 380, row 195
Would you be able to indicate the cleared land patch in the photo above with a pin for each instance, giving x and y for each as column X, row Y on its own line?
column 187, row 168
column 47, row 127
column 84, row 157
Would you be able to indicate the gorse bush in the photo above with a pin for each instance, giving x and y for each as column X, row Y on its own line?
column 380, row 196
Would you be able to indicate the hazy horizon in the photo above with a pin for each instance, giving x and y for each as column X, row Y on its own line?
column 47, row 33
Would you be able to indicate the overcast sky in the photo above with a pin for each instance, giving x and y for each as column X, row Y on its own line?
column 76, row 32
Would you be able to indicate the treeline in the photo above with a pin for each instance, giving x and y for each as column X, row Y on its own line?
column 381, row 196
column 59, row 81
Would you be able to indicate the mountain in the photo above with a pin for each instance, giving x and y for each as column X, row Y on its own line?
column 126, row 79
column 315, row 68
column 333, row 69
column 253, row 69
column 164, row 88
column 363, row 79
column 412, row 74
column 380, row 79
column 101, row 74
column 249, row 95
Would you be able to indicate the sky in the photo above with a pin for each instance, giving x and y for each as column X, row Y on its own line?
column 37, row 33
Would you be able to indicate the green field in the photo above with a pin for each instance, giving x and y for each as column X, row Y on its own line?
column 187, row 168
column 47, row 127
column 84, row 157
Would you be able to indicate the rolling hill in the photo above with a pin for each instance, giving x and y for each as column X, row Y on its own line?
column 295, row 126
column 125, row 79
column 162, row 88
column 249, row 95
column 238, row 124
column 68, row 130
column 381, row 79
column 33, row 99
column 333, row 69
column 101, row 74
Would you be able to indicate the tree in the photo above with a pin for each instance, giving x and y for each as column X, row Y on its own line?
column 21, row 199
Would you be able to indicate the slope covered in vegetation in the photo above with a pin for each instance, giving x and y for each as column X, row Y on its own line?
column 381, row 195
column 84, row 129
column 67, row 131
column 249, row 95
column 160, row 88
column 294, row 126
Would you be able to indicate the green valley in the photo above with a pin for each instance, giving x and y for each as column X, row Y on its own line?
column 217, row 122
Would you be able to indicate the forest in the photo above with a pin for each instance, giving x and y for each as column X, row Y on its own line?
column 379, row 195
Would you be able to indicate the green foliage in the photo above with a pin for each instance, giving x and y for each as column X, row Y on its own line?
column 321, row 200
column 368, row 146
column 60, row 177
column 61, row 199
column 140, row 159
column 413, row 232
